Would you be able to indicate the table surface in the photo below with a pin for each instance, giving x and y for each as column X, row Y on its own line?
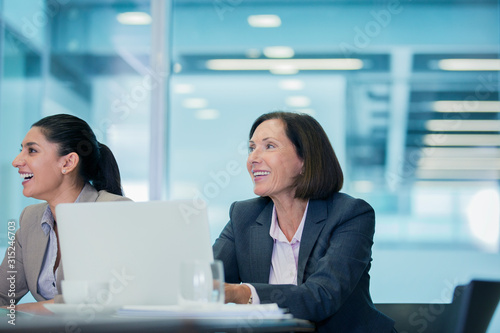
column 113, row 323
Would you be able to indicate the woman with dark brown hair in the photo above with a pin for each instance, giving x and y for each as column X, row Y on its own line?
column 60, row 161
column 301, row 244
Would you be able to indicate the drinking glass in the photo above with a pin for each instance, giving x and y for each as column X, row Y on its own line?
column 201, row 283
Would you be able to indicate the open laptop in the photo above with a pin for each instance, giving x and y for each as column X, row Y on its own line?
column 136, row 246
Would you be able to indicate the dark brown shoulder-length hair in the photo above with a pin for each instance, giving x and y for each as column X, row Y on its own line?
column 322, row 174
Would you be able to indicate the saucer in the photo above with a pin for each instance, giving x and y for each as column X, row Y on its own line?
column 81, row 309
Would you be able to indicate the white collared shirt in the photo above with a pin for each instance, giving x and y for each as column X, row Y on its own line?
column 285, row 257
column 47, row 286
column 47, row 278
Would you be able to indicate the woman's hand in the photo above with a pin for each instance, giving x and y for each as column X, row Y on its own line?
column 35, row 307
column 237, row 293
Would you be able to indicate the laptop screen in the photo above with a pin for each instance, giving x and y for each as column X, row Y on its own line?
column 136, row 246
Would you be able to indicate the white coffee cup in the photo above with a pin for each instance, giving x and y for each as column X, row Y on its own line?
column 85, row 292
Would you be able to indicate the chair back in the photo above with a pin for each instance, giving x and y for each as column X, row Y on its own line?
column 471, row 311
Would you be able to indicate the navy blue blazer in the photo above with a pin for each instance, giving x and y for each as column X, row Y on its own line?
column 334, row 259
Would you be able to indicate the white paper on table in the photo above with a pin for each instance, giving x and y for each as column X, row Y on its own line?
column 246, row 311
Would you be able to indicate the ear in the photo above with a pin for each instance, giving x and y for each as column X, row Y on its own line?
column 69, row 162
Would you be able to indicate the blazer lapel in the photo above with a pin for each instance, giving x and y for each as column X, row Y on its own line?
column 261, row 244
column 317, row 213
column 89, row 194
column 34, row 242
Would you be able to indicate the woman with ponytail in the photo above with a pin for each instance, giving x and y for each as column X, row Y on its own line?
column 60, row 161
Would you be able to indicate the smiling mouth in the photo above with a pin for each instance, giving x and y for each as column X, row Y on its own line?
column 261, row 173
column 26, row 176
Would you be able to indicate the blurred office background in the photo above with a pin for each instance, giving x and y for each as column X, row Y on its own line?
column 408, row 92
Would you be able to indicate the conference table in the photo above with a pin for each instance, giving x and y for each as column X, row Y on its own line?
column 121, row 323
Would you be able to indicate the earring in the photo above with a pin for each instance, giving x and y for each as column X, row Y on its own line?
column 64, row 171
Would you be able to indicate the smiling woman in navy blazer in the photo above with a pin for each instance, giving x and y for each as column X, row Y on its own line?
column 301, row 244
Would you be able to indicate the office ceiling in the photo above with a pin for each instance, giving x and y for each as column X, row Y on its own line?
column 390, row 101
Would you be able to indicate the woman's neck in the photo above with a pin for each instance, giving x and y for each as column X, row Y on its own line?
column 289, row 213
column 65, row 194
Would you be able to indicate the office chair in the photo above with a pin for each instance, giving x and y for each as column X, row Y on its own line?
column 473, row 306
column 471, row 310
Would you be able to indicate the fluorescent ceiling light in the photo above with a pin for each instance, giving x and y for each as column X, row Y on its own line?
column 461, row 125
column 279, row 52
column 177, row 67
column 460, row 152
column 363, row 186
column 459, row 163
column 458, row 174
column 284, row 70
column 207, row 114
column 298, row 101
column 195, row 103
column 466, row 106
column 134, row 18
column 183, row 88
column 462, row 140
column 291, row 84
column 276, row 64
column 469, row 64
column 310, row 112
column 460, row 184
column 264, row 21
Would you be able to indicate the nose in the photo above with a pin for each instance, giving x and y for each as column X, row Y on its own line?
column 254, row 156
column 18, row 161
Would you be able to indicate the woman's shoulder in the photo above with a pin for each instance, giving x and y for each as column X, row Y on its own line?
column 32, row 215
column 347, row 205
column 249, row 209
column 344, row 198
column 106, row 196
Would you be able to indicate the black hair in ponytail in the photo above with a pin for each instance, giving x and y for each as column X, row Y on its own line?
column 97, row 164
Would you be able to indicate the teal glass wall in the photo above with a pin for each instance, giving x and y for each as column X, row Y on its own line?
column 417, row 136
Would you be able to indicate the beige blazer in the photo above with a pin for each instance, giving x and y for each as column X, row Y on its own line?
column 30, row 246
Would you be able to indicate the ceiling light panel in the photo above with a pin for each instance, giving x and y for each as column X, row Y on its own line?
column 264, row 21
column 298, row 101
column 134, row 18
column 195, row 103
column 291, row 84
column 461, row 125
column 279, row 52
column 466, row 106
column 462, row 140
column 276, row 64
column 469, row 64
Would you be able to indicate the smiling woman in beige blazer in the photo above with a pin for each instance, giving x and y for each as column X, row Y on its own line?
column 60, row 161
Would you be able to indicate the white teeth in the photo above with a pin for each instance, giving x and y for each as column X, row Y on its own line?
column 261, row 173
column 26, row 175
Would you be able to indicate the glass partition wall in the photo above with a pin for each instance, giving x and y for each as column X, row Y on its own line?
column 406, row 90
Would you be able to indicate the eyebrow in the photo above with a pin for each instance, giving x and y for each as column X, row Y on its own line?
column 29, row 144
column 265, row 139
